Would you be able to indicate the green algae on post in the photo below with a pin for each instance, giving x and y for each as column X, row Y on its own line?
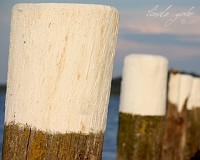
column 140, row 137
column 26, row 143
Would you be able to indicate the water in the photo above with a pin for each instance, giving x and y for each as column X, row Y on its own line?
column 2, row 108
column 110, row 139
column 109, row 150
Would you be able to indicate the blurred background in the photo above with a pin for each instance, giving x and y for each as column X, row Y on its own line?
column 168, row 28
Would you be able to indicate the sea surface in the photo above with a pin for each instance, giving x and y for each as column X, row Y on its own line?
column 110, row 139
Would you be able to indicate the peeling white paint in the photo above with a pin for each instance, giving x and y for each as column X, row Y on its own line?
column 144, row 85
column 60, row 66
column 194, row 99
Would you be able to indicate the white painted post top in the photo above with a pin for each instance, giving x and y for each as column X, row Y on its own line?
column 180, row 86
column 194, row 99
column 62, row 6
column 60, row 66
column 143, row 89
column 184, row 90
column 173, row 85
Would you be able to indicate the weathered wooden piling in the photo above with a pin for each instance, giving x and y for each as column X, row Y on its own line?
column 170, row 125
column 142, row 107
column 60, row 70
column 193, row 122
column 179, row 88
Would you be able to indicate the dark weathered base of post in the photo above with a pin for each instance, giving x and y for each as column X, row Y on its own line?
column 180, row 134
column 26, row 143
column 140, row 137
column 192, row 133
column 175, row 133
column 169, row 134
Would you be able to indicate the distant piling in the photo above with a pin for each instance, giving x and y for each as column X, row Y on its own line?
column 185, row 86
column 171, row 116
column 60, row 70
column 174, row 142
column 142, row 107
column 193, row 121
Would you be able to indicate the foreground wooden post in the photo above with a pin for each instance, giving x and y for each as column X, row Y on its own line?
column 175, row 130
column 60, row 70
column 142, row 108
column 193, row 121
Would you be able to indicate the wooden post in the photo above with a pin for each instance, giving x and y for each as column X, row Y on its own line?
column 185, row 86
column 170, row 126
column 175, row 130
column 60, row 70
column 193, row 122
column 142, row 107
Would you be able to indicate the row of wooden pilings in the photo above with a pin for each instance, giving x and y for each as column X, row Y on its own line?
column 148, row 128
column 59, row 76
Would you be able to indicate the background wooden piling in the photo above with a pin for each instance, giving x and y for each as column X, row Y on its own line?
column 142, row 107
column 174, row 141
column 193, row 121
column 60, row 69
column 171, row 115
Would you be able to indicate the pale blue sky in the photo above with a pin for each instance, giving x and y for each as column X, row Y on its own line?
column 180, row 43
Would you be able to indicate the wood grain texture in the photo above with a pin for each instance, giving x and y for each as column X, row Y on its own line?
column 26, row 143
column 60, row 70
column 60, row 66
column 140, row 137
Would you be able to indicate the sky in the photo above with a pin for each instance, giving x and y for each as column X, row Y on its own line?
column 169, row 28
